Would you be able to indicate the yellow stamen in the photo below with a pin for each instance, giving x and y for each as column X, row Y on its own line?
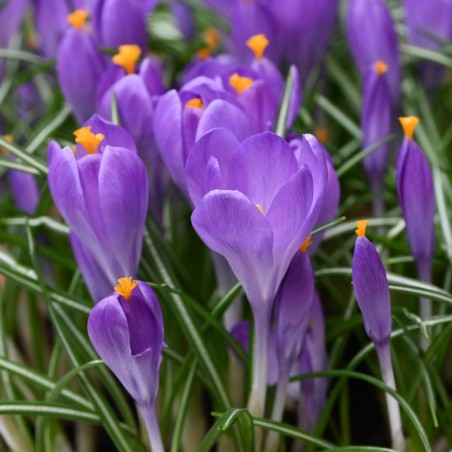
column 9, row 138
column 260, row 209
column 127, row 57
column 125, row 287
column 381, row 67
column 88, row 140
column 240, row 84
column 307, row 243
column 409, row 123
column 361, row 231
column 322, row 134
column 195, row 103
column 78, row 18
column 258, row 44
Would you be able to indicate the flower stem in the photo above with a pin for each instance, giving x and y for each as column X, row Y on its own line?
column 425, row 305
column 395, row 421
column 152, row 426
column 256, row 401
column 278, row 408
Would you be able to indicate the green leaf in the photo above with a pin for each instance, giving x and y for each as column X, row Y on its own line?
column 54, row 410
column 283, row 114
column 34, row 162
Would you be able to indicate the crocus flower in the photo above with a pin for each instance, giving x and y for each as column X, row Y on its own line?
column 182, row 118
column 376, row 118
column 429, row 25
column 372, row 294
column 11, row 15
column 136, row 90
column 372, row 37
column 308, row 150
column 257, row 86
column 126, row 329
column 79, row 66
column 24, row 188
column 118, row 22
column 102, row 193
column 305, row 27
column 259, row 209
column 417, row 200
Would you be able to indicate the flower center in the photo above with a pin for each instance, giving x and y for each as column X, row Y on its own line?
column 125, row 287
column 258, row 44
column 88, row 140
column 195, row 103
column 240, row 84
column 78, row 18
column 361, row 225
column 409, row 123
column 212, row 39
column 307, row 243
column 127, row 57
column 381, row 67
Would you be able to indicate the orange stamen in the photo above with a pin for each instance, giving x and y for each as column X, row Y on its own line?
column 125, row 287
column 127, row 57
column 381, row 67
column 9, row 138
column 195, row 103
column 88, row 140
column 260, row 209
column 362, row 225
column 409, row 123
column 240, row 84
column 258, row 44
column 78, row 18
column 307, row 243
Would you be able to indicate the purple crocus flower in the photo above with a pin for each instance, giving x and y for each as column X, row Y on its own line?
column 429, row 25
column 261, row 207
column 118, row 22
column 376, row 119
column 182, row 118
column 308, row 150
column 372, row 294
column 25, row 191
column 305, row 26
column 366, row 20
column 126, row 329
column 136, row 95
column 102, row 193
column 11, row 15
column 79, row 66
column 417, row 200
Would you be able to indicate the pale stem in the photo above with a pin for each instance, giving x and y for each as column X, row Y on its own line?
column 273, row 438
column 256, row 401
column 395, row 421
column 425, row 305
column 152, row 426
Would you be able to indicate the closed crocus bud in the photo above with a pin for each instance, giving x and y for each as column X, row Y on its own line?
column 416, row 194
column 371, row 287
column 376, row 119
column 118, row 22
column 126, row 329
column 102, row 193
column 372, row 37
column 372, row 294
column 429, row 25
column 79, row 66
column 417, row 200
